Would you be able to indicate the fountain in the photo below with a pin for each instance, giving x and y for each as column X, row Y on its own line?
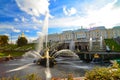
column 42, row 56
column 43, row 61
column 101, row 44
column 65, row 53
column 107, row 48
column 72, row 45
column 90, row 44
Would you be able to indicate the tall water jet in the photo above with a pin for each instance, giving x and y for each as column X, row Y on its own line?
column 72, row 45
column 101, row 42
column 45, row 59
column 43, row 36
column 36, row 10
column 45, row 30
column 39, row 45
column 90, row 46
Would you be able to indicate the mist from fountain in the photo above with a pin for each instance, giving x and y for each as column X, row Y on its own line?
column 36, row 10
column 72, row 45
column 47, row 70
column 36, row 53
column 39, row 53
column 32, row 54
column 45, row 31
column 39, row 47
column 65, row 52
column 101, row 44
column 90, row 44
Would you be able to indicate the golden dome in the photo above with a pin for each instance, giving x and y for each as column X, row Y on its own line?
column 22, row 35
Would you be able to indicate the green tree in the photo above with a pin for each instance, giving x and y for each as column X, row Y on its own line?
column 3, row 40
column 22, row 41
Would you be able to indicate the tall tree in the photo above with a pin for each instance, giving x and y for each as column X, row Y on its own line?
column 3, row 39
column 22, row 41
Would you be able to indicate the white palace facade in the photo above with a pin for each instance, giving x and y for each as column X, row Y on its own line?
column 84, row 38
column 84, row 35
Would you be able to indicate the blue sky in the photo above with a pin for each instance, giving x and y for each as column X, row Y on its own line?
column 17, row 16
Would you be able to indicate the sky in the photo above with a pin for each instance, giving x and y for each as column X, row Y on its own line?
column 17, row 16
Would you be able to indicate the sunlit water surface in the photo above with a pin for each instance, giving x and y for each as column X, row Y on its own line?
column 64, row 66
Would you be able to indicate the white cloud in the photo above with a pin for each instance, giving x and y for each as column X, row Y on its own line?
column 15, row 30
column 31, row 39
column 27, row 31
column 106, row 15
column 69, row 22
column 4, row 26
column 39, row 33
column 70, row 11
column 36, row 20
column 22, row 19
column 34, row 7
column 35, row 27
column 65, row 11
column 16, row 19
column 7, row 34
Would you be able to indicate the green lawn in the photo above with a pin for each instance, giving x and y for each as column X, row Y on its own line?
column 14, row 54
column 2, row 55
column 112, row 44
column 15, row 50
column 15, row 47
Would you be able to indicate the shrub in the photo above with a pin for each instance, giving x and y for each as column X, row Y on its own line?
column 115, row 65
column 98, row 74
column 28, row 77
column 70, row 77
column 33, row 77
column 103, row 73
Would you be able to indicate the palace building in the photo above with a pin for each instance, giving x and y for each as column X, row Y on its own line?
column 81, row 37
column 86, row 34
